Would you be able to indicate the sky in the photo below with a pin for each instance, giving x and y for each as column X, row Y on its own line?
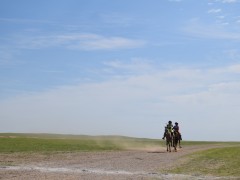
column 103, row 67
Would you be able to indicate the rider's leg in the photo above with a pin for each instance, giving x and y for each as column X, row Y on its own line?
column 164, row 135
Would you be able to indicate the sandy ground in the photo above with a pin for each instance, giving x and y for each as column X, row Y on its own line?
column 132, row 164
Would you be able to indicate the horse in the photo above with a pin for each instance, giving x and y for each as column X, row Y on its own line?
column 176, row 140
column 168, row 140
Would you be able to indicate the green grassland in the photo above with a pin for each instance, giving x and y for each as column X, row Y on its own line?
column 222, row 161
column 15, row 142
column 68, row 143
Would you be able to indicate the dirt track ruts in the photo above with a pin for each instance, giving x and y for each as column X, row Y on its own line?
column 132, row 164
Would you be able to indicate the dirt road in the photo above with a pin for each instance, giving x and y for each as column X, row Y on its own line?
column 131, row 164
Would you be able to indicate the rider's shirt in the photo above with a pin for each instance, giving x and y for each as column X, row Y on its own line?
column 176, row 128
column 170, row 127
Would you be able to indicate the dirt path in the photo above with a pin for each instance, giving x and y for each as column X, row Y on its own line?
column 132, row 164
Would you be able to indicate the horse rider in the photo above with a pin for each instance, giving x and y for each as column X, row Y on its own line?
column 176, row 129
column 168, row 128
column 165, row 132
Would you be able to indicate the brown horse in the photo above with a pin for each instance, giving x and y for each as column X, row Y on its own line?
column 168, row 140
column 176, row 140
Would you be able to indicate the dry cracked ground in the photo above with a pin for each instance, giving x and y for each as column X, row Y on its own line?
column 132, row 164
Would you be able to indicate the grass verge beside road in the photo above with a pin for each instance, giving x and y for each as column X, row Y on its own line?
column 224, row 161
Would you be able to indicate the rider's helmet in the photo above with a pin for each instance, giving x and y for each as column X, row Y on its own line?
column 176, row 123
column 169, row 122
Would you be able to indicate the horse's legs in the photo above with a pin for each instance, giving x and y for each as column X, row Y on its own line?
column 168, row 143
column 173, row 141
column 175, row 145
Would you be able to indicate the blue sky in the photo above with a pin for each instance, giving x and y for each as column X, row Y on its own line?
column 121, row 67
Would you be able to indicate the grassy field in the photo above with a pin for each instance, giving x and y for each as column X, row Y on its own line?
column 68, row 143
column 223, row 161
column 12, row 142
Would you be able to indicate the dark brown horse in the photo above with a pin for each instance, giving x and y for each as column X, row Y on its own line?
column 176, row 140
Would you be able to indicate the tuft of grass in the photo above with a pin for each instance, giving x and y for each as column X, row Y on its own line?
column 223, row 161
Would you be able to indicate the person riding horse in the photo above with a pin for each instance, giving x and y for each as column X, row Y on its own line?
column 177, row 132
column 175, row 135
column 168, row 128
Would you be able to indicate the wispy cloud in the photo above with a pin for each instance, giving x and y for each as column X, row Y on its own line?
column 226, row 1
column 107, row 43
column 175, row 0
column 117, row 19
column 214, row 11
column 86, row 42
column 7, row 56
column 233, row 54
column 211, row 31
column 221, row 17
column 229, row 1
column 4, row 57
column 35, row 39
column 233, row 69
column 18, row 20
column 135, row 65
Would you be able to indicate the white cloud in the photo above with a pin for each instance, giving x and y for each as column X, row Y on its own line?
column 211, row 31
column 5, row 57
column 138, row 105
column 231, row 69
column 229, row 1
column 103, row 43
column 233, row 54
column 76, row 41
column 214, row 11
column 135, row 65
column 117, row 19
column 18, row 20
column 175, row 0
column 225, row 87
column 224, row 23
column 221, row 17
column 226, row 1
column 234, row 68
